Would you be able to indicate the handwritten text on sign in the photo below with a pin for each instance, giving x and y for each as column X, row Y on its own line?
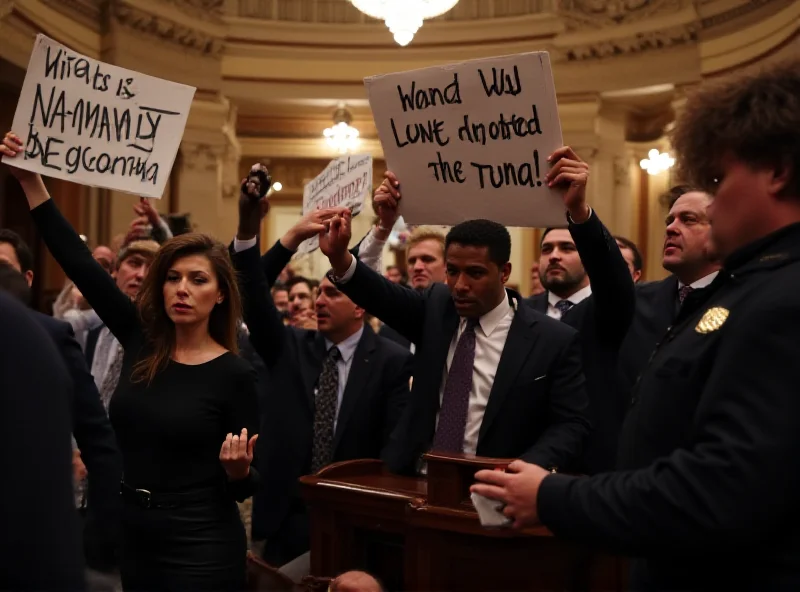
column 345, row 182
column 471, row 140
column 97, row 124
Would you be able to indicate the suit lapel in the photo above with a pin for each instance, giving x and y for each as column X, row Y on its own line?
column 360, row 370
column 518, row 346
column 310, row 374
column 667, row 303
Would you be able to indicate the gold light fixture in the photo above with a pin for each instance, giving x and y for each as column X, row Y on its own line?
column 342, row 137
column 656, row 162
column 403, row 17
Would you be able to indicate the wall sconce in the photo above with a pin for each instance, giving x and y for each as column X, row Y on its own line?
column 342, row 137
column 657, row 162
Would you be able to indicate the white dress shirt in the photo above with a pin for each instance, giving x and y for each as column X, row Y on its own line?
column 105, row 352
column 490, row 339
column 703, row 282
column 347, row 349
column 577, row 297
column 370, row 251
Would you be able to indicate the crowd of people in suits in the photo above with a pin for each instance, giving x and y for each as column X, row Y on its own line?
column 650, row 419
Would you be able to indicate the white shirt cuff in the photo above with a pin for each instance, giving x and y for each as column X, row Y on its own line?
column 349, row 273
column 243, row 245
column 585, row 221
column 370, row 251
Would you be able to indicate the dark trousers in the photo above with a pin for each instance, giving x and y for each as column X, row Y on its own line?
column 198, row 546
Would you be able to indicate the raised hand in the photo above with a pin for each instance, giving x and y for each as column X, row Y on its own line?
column 137, row 229
column 385, row 202
column 236, row 455
column 144, row 209
column 311, row 224
column 10, row 147
column 570, row 173
column 334, row 242
column 253, row 203
column 305, row 319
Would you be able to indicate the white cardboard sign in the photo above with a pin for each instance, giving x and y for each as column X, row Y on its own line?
column 93, row 123
column 345, row 182
column 471, row 140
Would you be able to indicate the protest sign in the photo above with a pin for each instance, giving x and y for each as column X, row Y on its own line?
column 471, row 140
column 93, row 123
column 345, row 182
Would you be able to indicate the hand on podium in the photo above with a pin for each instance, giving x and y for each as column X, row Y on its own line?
column 517, row 488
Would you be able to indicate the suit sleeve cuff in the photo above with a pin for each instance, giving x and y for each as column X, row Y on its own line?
column 243, row 245
column 553, row 502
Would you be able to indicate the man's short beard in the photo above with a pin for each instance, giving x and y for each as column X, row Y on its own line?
column 566, row 285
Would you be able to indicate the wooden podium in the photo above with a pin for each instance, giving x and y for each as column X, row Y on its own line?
column 416, row 533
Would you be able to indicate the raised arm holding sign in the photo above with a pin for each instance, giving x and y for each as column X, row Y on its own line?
column 93, row 123
column 472, row 140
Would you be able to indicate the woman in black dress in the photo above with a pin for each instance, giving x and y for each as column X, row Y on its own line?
column 184, row 406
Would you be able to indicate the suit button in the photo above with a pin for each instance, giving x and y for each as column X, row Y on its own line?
column 634, row 400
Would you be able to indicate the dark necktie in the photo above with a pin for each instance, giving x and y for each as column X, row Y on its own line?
column 684, row 292
column 449, row 435
column 563, row 306
column 325, row 405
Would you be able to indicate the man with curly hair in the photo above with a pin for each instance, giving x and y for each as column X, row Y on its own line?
column 706, row 493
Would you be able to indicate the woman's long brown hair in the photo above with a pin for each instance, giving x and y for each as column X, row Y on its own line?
column 159, row 330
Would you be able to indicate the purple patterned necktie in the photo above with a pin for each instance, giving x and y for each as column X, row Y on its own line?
column 563, row 306
column 449, row 435
column 684, row 292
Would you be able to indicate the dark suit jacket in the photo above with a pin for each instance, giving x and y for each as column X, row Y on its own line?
column 388, row 333
column 373, row 400
column 40, row 541
column 602, row 320
column 98, row 445
column 539, row 302
column 709, row 483
column 656, row 308
column 537, row 405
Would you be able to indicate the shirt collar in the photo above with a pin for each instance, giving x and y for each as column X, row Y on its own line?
column 576, row 298
column 491, row 319
column 702, row 282
column 347, row 347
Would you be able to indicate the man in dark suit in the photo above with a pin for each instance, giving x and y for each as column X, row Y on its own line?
column 707, row 494
column 601, row 311
column 694, row 268
column 334, row 394
column 514, row 385
column 91, row 429
column 40, row 541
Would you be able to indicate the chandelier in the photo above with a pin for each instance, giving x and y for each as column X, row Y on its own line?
column 342, row 137
column 657, row 162
column 403, row 17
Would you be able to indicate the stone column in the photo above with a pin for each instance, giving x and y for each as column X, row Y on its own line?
column 182, row 41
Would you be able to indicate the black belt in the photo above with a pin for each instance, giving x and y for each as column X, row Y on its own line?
column 149, row 499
